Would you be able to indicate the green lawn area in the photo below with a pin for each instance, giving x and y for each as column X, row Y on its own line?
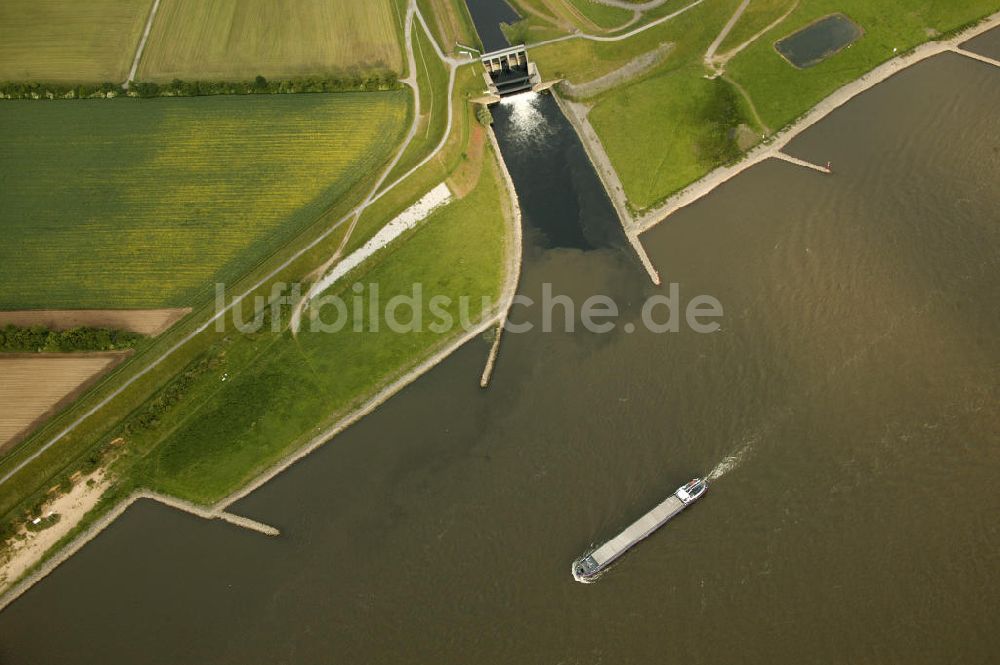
column 781, row 92
column 146, row 203
column 432, row 78
column 68, row 41
column 545, row 19
column 758, row 15
column 164, row 426
column 656, row 129
column 668, row 114
column 451, row 23
column 280, row 389
column 603, row 16
column 238, row 39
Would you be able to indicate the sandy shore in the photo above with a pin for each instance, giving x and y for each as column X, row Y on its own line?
column 774, row 145
column 25, row 550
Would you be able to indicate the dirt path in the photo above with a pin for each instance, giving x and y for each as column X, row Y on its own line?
column 753, row 107
column 626, row 35
column 639, row 7
column 721, row 60
column 413, row 12
column 726, row 29
column 453, row 63
column 142, row 44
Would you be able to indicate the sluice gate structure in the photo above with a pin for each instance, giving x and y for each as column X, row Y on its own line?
column 509, row 71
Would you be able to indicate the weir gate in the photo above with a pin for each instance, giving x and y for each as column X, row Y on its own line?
column 508, row 72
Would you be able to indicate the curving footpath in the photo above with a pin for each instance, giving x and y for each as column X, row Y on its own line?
column 239, row 299
column 493, row 317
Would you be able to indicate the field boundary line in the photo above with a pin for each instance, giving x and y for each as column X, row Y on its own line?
column 142, row 44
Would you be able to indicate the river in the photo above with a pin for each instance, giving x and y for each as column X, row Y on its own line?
column 847, row 411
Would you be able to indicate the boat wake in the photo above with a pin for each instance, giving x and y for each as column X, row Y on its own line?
column 735, row 459
column 584, row 580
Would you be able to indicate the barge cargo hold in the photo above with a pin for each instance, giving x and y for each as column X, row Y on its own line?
column 589, row 565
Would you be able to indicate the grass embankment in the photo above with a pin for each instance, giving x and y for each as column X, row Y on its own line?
column 146, row 203
column 202, row 437
column 432, row 79
column 137, row 422
column 758, row 15
column 238, row 39
column 668, row 127
column 671, row 125
column 781, row 92
column 69, row 41
column 451, row 23
column 545, row 19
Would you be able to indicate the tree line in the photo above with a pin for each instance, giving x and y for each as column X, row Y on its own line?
column 40, row 339
column 353, row 81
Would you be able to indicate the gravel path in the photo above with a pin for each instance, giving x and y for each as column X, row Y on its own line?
column 142, row 44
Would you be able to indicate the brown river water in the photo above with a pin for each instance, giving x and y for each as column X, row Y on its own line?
column 847, row 411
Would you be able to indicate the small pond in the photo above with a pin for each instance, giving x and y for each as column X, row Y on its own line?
column 819, row 40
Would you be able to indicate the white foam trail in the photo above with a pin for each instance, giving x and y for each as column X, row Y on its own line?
column 735, row 459
column 527, row 121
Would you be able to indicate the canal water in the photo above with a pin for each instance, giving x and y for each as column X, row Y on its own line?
column 847, row 411
column 487, row 15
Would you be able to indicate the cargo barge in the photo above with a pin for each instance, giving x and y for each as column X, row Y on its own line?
column 589, row 565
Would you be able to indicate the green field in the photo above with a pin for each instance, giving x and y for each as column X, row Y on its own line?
column 68, row 41
column 145, row 203
column 451, row 23
column 239, row 39
column 661, row 129
column 782, row 92
column 758, row 15
column 432, row 79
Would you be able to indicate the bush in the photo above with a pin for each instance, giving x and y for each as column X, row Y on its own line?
column 36, row 339
column 722, row 114
column 484, row 115
column 341, row 81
